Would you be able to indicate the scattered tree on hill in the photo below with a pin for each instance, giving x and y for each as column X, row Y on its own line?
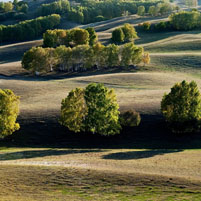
column 146, row 58
column 141, row 10
column 118, row 35
column 182, row 107
column 9, row 110
column 93, row 37
column 131, row 54
column 146, row 26
column 35, row 60
column 103, row 114
column 93, row 109
column 74, row 110
column 125, row 33
column 129, row 32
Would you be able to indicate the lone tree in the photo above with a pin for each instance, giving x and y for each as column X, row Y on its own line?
column 182, row 107
column 94, row 109
column 118, row 36
column 9, row 109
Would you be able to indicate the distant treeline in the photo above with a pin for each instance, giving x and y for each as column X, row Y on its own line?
column 181, row 21
column 81, row 57
column 29, row 29
column 88, row 11
column 69, row 38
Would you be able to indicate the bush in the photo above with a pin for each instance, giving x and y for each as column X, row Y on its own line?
column 130, row 118
column 182, row 107
column 118, row 36
column 9, row 109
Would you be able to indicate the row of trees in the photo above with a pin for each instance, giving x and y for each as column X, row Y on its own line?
column 69, row 38
column 95, row 109
column 91, row 10
column 29, row 29
column 82, row 57
column 125, row 33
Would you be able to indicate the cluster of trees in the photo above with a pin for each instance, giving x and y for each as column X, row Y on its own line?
column 69, row 38
column 82, row 57
column 29, row 29
column 191, row 3
column 125, row 33
column 91, row 10
column 93, row 109
column 16, row 10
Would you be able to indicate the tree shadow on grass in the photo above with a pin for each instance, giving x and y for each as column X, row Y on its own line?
column 42, row 153
column 138, row 154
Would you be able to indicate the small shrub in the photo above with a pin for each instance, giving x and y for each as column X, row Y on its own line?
column 9, row 109
column 182, row 107
column 130, row 118
column 146, row 26
column 118, row 36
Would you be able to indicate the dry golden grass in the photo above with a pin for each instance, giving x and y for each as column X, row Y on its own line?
column 171, row 163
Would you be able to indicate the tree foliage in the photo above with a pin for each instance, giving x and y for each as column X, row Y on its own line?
column 81, row 57
column 118, row 35
column 93, row 109
column 125, row 33
column 74, row 110
column 103, row 114
column 9, row 109
column 182, row 107
column 69, row 38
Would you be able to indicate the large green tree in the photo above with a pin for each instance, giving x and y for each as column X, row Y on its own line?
column 74, row 110
column 182, row 107
column 103, row 114
column 9, row 110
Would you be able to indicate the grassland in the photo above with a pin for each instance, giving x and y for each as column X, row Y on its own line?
column 44, row 161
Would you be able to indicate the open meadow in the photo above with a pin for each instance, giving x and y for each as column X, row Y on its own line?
column 45, row 161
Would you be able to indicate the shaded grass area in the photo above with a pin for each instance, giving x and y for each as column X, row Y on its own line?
column 151, row 134
column 181, row 63
column 47, row 183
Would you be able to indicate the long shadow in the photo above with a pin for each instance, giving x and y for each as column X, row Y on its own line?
column 41, row 153
column 151, row 134
column 138, row 154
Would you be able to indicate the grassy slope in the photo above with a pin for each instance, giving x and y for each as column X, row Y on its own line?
column 143, row 91
column 60, row 184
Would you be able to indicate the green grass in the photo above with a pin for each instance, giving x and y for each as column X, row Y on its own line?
column 53, row 183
